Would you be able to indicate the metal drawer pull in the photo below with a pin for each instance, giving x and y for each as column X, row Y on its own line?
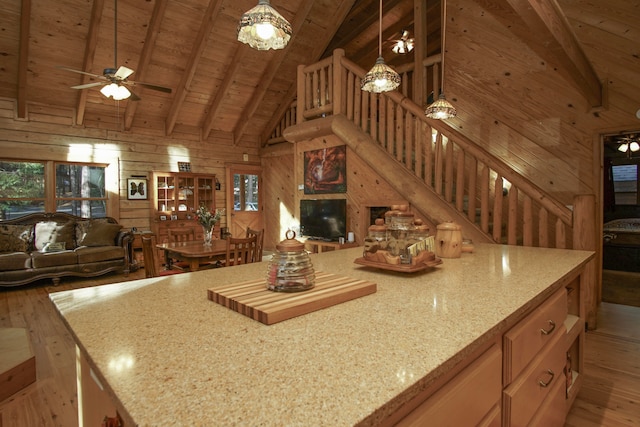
column 553, row 326
column 542, row 383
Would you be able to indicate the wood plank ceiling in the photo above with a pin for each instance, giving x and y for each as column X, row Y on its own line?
column 219, row 84
column 189, row 46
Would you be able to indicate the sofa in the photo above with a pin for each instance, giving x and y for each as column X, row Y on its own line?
column 55, row 245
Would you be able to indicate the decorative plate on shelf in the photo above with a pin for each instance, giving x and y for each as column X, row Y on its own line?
column 403, row 268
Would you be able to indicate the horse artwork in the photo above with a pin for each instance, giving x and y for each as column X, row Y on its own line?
column 325, row 170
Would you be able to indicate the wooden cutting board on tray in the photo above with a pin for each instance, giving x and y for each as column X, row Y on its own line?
column 252, row 298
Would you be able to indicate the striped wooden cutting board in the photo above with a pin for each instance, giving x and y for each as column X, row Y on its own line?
column 252, row 298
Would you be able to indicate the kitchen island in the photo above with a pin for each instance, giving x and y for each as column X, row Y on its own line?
column 164, row 354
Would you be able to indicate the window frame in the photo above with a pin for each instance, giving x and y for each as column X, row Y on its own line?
column 51, row 198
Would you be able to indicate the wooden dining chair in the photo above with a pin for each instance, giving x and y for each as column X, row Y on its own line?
column 152, row 265
column 240, row 250
column 181, row 234
column 257, row 257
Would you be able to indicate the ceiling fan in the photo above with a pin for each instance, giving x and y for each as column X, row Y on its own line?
column 114, row 81
column 628, row 144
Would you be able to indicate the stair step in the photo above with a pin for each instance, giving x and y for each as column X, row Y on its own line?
column 17, row 361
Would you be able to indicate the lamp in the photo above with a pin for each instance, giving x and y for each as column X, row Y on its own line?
column 263, row 28
column 381, row 77
column 441, row 109
column 118, row 92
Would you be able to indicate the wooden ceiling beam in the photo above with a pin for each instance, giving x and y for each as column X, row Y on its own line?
column 274, row 66
column 89, row 54
column 228, row 80
column 199, row 45
column 145, row 57
column 23, row 58
column 543, row 26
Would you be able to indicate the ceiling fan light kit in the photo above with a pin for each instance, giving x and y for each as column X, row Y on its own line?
column 404, row 45
column 633, row 146
column 381, row 77
column 263, row 28
column 441, row 109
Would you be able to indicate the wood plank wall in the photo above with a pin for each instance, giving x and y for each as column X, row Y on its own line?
column 283, row 167
column 50, row 134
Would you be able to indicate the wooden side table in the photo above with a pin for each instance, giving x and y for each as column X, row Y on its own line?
column 318, row 246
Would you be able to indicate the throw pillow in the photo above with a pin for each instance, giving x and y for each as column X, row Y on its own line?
column 52, row 232
column 101, row 234
column 15, row 238
column 83, row 226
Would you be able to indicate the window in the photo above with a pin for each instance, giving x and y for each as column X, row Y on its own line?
column 245, row 192
column 77, row 189
column 625, row 184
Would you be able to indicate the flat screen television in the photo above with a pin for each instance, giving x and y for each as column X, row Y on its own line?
column 323, row 219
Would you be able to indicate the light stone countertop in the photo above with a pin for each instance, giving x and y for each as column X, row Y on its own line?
column 169, row 356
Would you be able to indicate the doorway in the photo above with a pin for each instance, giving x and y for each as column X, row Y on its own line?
column 244, row 198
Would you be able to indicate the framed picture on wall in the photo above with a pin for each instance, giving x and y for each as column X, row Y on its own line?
column 137, row 189
column 325, row 170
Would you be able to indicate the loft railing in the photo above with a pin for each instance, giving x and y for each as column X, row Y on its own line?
column 503, row 204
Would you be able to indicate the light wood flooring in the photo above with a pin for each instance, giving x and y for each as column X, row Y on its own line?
column 610, row 395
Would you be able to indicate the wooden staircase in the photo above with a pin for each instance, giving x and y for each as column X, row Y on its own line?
column 442, row 173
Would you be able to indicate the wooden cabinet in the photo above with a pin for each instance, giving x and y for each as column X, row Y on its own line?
column 176, row 198
column 543, row 359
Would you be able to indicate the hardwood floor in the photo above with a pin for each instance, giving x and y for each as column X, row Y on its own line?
column 610, row 395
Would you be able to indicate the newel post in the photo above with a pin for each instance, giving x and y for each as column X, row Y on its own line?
column 584, row 238
column 338, row 80
column 302, row 103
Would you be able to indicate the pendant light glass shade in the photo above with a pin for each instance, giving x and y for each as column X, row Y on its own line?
column 441, row 109
column 263, row 28
column 381, row 78
column 115, row 91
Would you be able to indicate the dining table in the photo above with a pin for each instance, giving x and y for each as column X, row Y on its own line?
column 194, row 252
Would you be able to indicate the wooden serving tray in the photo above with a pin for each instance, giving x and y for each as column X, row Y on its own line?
column 403, row 268
column 252, row 298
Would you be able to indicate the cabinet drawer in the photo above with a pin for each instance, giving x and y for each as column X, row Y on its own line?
column 524, row 396
column 467, row 399
column 552, row 412
column 531, row 334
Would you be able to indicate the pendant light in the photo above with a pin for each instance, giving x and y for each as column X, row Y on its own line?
column 441, row 109
column 381, row 78
column 263, row 28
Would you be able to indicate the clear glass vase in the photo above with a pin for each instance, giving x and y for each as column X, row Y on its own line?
column 208, row 235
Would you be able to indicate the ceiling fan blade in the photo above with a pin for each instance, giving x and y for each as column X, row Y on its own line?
column 81, row 72
column 88, row 85
column 123, row 72
column 153, row 87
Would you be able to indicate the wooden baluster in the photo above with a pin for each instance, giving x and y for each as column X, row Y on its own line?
column 512, row 230
column 401, row 156
column 473, row 175
column 374, row 116
column 527, row 221
column 315, row 89
column 460, row 180
column 561, row 235
column 484, row 199
column 448, row 171
column 367, row 124
column 428, row 154
column 390, row 126
column 438, row 160
column 543, row 228
column 302, row 94
column 382, row 120
column 349, row 95
column 497, row 209
column 357, row 102
column 409, row 142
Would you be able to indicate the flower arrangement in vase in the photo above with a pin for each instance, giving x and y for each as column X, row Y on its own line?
column 208, row 220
